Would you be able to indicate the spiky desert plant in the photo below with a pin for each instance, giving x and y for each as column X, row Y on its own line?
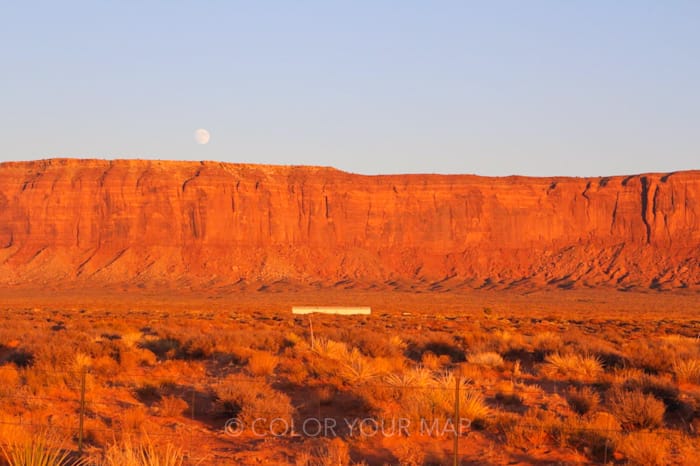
column 38, row 450
column 144, row 453
column 358, row 368
column 330, row 349
column 687, row 370
column 584, row 366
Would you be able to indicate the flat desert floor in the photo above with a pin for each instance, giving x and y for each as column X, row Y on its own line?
column 543, row 377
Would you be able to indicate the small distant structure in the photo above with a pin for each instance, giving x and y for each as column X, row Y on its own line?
column 337, row 310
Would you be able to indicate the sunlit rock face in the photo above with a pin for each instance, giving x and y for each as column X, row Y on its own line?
column 198, row 225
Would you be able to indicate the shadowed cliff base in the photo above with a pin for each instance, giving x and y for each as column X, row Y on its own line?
column 221, row 228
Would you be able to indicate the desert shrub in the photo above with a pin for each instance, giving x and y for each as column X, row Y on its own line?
column 409, row 454
column 445, row 347
column 294, row 369
column 145, row 453
column 375, row 344
column 172, row 406
column 262, row 363
column 37, row 380
column 197, row 348
column 645, row 449
column 575, row 366
column 422, row 395
column 523, row 432
column 547, row 342
column 655, row 385
column 440, row 345
column 325, row 452
column 687, row 370
column 488, row 358
column 163, row 348
column 583, row 399
column 132, row 358
column 134, row 419
column 430, row 361
column 105, row 366
column 596, row 441
column 291, row 339
column 585, row 343
column 636, row 409
column 658, row 355
column 248, row 398
column 504, row 341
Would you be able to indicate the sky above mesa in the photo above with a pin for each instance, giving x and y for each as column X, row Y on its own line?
column 542, row 88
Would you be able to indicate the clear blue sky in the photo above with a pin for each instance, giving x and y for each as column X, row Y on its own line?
column 492, row 87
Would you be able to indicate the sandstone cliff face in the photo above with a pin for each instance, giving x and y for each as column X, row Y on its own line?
column 174, row 224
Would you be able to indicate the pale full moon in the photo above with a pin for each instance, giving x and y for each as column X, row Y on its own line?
column 202, row 136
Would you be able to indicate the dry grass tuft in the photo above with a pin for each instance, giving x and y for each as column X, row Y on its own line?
column 145, row 453
column 487, row 358
column 172, row 406
column 410, row 455
column 134, row 419
column 574, row 366
column 687, row 370
column 262, row 363
column 547, row 342
column 333, row 452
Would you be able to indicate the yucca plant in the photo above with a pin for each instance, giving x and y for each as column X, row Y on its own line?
column 574, row 365
column 39, row 450
column 145, row 453
column 358, row 368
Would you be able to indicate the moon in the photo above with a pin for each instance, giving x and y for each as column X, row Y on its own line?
column 202, row 136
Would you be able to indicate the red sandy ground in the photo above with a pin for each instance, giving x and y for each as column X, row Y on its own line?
column 425, row 309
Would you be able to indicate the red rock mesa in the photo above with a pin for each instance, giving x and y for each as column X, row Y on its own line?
column 174, row 224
